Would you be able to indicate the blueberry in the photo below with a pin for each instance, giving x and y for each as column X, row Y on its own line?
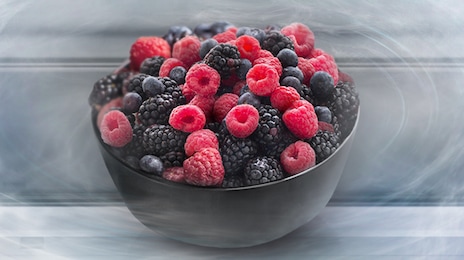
column 152, row 86
column 206, row 46
column 291, row 81
column 131, row 102
column 323, row 114
column 249, row 98
column 219, row 27
column 176, row 33
column 243, row 68
column 287, row 58
column 151, row 164
column 258, row 33
column 203, row 30
column 178, row 74
column 292, row 71
column 244, row 90
column 322, row 85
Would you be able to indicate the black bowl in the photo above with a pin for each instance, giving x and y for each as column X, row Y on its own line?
column 227, row 217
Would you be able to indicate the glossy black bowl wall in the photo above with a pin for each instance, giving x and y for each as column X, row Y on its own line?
column 232, row 217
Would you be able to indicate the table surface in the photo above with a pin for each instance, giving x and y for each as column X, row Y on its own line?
column 338, row 232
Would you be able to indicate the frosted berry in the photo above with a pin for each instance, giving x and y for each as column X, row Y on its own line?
column 249, row 98
column 146, row 47
column 206, row 46
column 177, row 32
column 283, row 97
column 291, row 81
column 262, row 79
column 114, row 104
column 187, row 118
column 261, row 170
column 200, row 139
column 242, row 120
column 131, row 102
column 323, row 114
column 287, row 58
column 168, row 65
column 301, row 36
column 293, row 71
column 187, row 50
column 178, row 74
column 203, row 80
column 206, row 103
column 243, row 68
column 175, row 174
column 204, row 168
column 297, row 157
column 223, row 105
column 248, row 46
column 322, row 85
column 151, row 164
column 115, row 129
column 152, row 86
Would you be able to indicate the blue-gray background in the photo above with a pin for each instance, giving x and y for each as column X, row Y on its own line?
column 405, row 56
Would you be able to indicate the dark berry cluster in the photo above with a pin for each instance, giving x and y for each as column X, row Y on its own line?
column 225, row 106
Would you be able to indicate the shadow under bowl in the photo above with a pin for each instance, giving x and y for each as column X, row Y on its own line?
column 227, row 217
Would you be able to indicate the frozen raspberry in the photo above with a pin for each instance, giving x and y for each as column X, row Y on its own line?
column 187, row 92
column 187, row 118
column 242, row 120
column 307, row 68
column 262, row 79
column 297, row 157
column 271, row 61
column 301, row 119
column 302, row 37
column 200, row 139
column 147, row 47
column 112, row 105
column 187, row 50
column 224, row 37
column 324, row 126
column 168, row 65
column 204, row 168
column 248, row 46
column 283, row 97
column 325, row 62
column 205, row 103
column 116, row 129
column 175, row 174
column 264, row 54
column 203, row 80
column 223, row 105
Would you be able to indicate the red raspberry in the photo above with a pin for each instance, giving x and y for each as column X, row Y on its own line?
column 283, row 97
column 248, row 46
column 175, row 174
column 223, row 105
column 113, row 104
column 227, row 36
column 242, row 120
column 325, row 62
column 264, row 54
column 324, row 126
column 272, row 61
column 301, row 119
column 307, row 68
column 168, row 65
column 205, row 103
column 200, row 139
column 238, row 87
column 187, row 118
column 297, row 157
column 262, row 79
column 147, row 47
column 187, row 50
column 203, row 79
column 302, row 37
column 116, row 129
column 187, row 92
column 204, row 168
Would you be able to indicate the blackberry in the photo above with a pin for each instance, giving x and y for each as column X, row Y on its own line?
column 275, row 149
column 306, row 94
column 262, row 169
column 131, row 117
column 105, row 89
column 275, row 41
column 135, row 84
column 233, row 181
column 270, row 126
column 156, row 110
column 162, row 139
column 224, row 58
column 324, row 144
column 151, row 66
column 235, row 152
column 135, row 147
column 344, row 104
column 174, row 90
column 172, row 159
column 213, row 126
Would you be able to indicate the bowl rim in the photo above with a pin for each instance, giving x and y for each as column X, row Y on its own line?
column 162, row 181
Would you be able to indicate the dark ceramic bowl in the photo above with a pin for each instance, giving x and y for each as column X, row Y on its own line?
column 227, row 217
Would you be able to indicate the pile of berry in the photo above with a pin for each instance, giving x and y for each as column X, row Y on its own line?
column 225, row 106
